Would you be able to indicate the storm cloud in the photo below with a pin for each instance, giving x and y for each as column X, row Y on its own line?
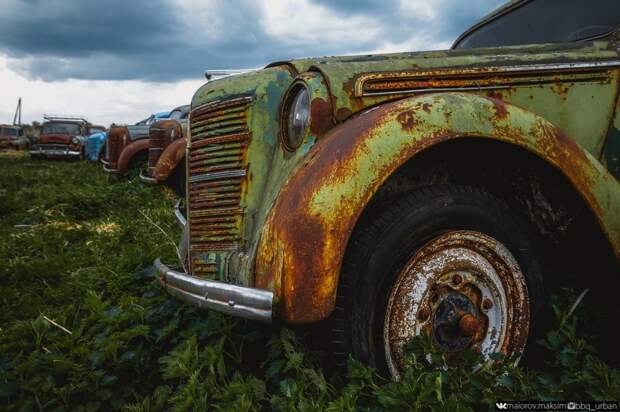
column 172, row 40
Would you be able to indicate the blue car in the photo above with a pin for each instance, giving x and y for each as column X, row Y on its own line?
column 96, row 141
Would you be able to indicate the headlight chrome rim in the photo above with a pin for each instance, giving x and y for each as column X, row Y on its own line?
column 296, row 107
column 75, row 141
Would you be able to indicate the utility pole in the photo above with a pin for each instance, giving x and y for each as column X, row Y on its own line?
column 17, row 118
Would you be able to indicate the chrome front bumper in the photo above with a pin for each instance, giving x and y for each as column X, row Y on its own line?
column 241, row 301
column 147, row 179
column 249, row 303
column 64, row 153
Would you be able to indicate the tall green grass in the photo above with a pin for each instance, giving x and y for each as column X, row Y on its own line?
column 84, row 326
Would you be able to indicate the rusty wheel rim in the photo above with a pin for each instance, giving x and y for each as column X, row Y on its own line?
column 466, row 290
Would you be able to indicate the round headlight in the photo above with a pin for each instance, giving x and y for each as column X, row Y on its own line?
column 297, row 117
column 75, row 140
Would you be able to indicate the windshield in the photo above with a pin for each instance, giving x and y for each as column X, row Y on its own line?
column 545, row 21
column 61, row 128
column 8, row 131
column 176, row 115
column 96, row 129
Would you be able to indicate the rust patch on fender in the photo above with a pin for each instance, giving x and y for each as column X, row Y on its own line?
column 407, row 120
column 320, row 116
column 501, row 112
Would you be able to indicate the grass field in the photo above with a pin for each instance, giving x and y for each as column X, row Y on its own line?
column 85, row 327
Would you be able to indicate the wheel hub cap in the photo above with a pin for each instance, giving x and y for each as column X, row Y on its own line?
column 466, row 291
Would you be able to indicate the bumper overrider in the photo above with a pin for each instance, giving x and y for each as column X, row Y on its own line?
column 145, row 178
column 240, row 301
column 61, row 152
column 107, row 167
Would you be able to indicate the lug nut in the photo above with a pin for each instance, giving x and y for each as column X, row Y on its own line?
column 456, row 280
column 423, row 315
column 487, row 304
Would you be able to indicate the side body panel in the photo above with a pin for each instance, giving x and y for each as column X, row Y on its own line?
column 303, row 242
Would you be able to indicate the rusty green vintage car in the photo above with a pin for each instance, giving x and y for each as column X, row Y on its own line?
column 443, row 192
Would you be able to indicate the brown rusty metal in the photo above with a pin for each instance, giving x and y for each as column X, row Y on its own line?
column 469, row 325
column 487, row 271
column 118, row 137
column 129, row 151
column 217, row 172
column 477, row 78
column 301, row 247
column 161, row 134
column 171, row 157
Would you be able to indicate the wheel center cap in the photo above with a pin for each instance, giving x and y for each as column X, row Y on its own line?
column 456, row 323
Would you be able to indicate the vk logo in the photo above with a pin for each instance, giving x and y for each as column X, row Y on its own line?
column 501, row 405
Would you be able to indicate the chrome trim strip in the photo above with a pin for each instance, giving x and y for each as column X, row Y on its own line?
column 244, row 302
column 210, row 74
column 449, row 72
column 217, row 175
column 179, row 214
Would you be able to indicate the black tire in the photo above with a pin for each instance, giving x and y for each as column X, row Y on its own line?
column 176, row 180
column 380, row 247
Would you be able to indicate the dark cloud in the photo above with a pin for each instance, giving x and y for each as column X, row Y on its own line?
column 154, row 40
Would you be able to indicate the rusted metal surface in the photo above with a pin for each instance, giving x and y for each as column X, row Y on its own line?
column 128, row 153
column 217, row 172
column 478, row 78
column 426, row 299
column 291, row 213
column 118, row 136
column 172, row 156
column 166, row 148
column 308, row 228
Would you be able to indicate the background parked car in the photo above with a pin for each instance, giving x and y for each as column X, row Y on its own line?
column 167, row 141
column 128, row 145
column 95, row 143
column 61, row 137
column 12, row 137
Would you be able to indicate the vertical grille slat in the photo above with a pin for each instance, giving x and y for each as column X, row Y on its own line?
column 217, row 168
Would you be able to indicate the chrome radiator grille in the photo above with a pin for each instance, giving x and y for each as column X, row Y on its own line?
column 217, row 169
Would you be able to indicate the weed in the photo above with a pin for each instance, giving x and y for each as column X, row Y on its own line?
column 85, row 327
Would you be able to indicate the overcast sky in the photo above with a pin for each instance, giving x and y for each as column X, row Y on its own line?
column 120, row 60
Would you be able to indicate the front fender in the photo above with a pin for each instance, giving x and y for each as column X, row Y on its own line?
column 129, row 152
column 169, row 159
column 305, row 237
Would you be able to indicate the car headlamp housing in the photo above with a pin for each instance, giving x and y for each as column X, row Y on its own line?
column 75, row 140
column 296, row 116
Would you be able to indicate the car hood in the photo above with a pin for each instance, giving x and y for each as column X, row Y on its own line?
column 345, row 75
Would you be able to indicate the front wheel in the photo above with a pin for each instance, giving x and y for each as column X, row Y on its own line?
column 449, row 261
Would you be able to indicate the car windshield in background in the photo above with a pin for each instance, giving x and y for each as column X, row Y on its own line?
column 8, row 132
column 544, row 21
column 61, row 128
column 97, row 129
column 176, row 115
